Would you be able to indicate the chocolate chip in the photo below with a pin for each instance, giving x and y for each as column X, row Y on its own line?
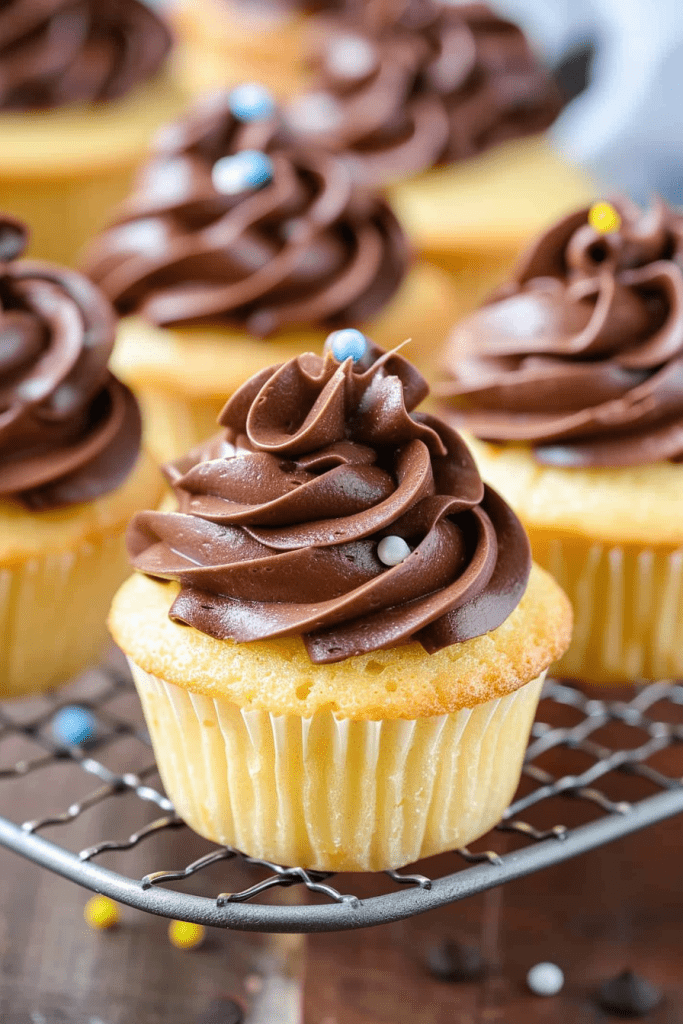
column 223, row 1011
column 453, row 961
column 629, row 995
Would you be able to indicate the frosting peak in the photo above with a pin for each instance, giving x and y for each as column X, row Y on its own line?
column 406, row 85
column 581, row 354
column 69, row 431
column 230, row 224
column 57, row 52
column 281, row 519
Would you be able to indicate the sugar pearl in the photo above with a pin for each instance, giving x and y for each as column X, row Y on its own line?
column 545, row 979
column 351, row 56
column 347, row 344
column 392, row 550
column 603, row 218
column 251, row 102
column 101, row 913
column 249, row 169
column 185, row 934
column 73, row 726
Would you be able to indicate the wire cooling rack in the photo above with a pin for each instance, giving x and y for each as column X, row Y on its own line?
column 596, row 769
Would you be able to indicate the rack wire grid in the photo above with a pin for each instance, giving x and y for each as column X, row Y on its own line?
column 608, row 765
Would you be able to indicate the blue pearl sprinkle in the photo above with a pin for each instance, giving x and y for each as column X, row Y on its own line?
column 347, row 344
column 251, row 102
column 72, row 726
column 249, row 169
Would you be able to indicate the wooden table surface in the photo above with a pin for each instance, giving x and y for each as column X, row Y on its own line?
column 54, row 969
column 610, row 910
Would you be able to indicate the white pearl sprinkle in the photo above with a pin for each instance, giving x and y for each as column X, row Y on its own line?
column 545, row 979
column 351, row 56
column 392, row 550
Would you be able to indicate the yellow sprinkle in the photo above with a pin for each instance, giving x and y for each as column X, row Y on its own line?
column 184, row 935
column 100, row 912
column 604, row 218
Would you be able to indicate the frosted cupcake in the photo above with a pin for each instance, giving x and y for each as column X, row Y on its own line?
column 83, row 87
column 446, row 105
column 338, row 640
column 231, row 41
column 572, row 378
column 237, row 249
column 71, row 472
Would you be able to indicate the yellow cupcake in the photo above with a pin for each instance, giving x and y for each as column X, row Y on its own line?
column 339, row 641
column 613, row 539
column 475, row 217
column 71, row 472
column 573, row 371
column 364, row 766
column 234, row 249
column 224, row 42
column 446, row 112
column 71, row 138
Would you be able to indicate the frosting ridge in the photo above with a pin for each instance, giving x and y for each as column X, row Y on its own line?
column 280, row 518
column 58, row 52
column 69, row 430
column 303, row 245
column 581, row 354
column 406, row 85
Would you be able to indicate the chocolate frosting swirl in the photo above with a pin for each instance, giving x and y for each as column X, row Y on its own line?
column 69, row 430
column 308, row 248
column 581, row 354
column 411, row 84
column 56, row 52
column 279, row 518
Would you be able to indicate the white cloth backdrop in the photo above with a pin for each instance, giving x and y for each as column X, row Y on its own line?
column 628, row 126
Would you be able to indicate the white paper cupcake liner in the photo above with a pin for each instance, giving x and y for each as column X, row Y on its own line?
column 628, row 608
column 53, row 614
column 333, row 794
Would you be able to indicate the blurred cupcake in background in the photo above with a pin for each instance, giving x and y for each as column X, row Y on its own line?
column 83, row 87
column 225, row 42
column 71, row 471
column 571, row 376
column 237, row 248
column 445, row 105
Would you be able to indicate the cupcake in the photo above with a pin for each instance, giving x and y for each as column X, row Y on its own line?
column 236, row 248
column 83, row 87
column 71, row 472
column 571, row 376
column 230, row 41
column 338, row 638
column 445, row 105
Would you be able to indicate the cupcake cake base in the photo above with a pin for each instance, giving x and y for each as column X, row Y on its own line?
column 64, row 170
column 58, row 570
column 613, row 540
column 366, row 764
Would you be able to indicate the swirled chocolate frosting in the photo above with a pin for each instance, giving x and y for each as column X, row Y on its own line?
column 309, row 247
column 280, row 518
column 410, row 84
column 56, row 52
column 69, row 431
column 581, row 354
